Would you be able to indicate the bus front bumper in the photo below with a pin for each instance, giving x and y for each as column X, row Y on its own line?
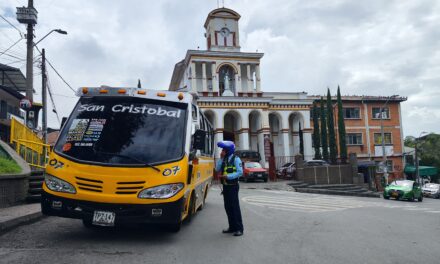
column 167, row 213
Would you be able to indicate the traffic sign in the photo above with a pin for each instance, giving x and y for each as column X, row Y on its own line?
column 25, row 103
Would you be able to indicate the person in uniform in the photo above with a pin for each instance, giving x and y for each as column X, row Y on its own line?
column 231, row 169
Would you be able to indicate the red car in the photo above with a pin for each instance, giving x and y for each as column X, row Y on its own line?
column 254, row 171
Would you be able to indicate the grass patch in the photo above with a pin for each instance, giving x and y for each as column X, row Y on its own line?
column 8, row 166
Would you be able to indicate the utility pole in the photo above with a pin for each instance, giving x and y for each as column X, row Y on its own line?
column 417, row 162
column 30, row 58
column 28, row 15
column 44, row 94
column 384, row 155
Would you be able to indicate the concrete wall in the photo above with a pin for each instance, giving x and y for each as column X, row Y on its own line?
column 332, row 174
column 14, row 187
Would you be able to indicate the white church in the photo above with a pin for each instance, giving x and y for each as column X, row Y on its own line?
column 228, row 83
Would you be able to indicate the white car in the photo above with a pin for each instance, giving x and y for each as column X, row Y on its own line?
column 431, row 190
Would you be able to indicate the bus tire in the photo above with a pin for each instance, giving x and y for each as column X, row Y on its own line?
column 174, row 228
column 191, row 207
column 204, row 199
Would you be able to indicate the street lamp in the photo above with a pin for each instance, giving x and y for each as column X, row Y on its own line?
column 384, row 155
column 416, row 157
column 60, row 31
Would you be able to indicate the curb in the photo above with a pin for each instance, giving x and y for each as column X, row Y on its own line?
column 331, row 192
column 12, row 223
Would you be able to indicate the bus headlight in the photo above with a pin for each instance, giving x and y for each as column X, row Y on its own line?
column 161, row 192
column 57, row 185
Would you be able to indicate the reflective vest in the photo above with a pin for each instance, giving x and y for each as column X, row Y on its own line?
column 229, row 167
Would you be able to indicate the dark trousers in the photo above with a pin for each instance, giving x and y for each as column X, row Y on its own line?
column 232, row 207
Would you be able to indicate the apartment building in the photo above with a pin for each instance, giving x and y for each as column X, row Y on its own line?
column 364, row 117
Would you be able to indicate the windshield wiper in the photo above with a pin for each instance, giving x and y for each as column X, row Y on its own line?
column 127, row 157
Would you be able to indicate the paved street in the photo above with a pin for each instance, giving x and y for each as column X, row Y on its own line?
column 280, row 227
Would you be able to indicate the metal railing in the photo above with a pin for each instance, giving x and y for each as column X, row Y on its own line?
column 28, row 145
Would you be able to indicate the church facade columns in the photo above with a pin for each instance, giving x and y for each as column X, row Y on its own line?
column 244, row 131
column 307, row 136
column 193, row 77
column 258, row 80
column 204, row 79
column 238, row 80
column 249, row 78
column 214, row 78
column 264, row 135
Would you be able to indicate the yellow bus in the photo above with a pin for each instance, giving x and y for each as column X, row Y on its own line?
column 129, row 155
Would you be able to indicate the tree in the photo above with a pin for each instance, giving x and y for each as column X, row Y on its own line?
column 429, row 149
column 316, row 136
column 410, row 141
column 341, row 130
column 301, row 141
column 324, row 142
column 331, row 129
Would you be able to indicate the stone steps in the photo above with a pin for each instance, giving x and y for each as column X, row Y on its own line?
column 336, row 189
column 35, row 185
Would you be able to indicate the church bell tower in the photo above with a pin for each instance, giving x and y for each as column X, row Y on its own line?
column 222, row 30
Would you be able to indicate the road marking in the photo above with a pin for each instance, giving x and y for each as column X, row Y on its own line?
column 302, row 204
column 323, row 203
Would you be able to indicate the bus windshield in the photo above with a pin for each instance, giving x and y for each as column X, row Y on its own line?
column 124, row 131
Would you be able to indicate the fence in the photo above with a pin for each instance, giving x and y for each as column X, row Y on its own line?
column 28, row 145
column 333, row 174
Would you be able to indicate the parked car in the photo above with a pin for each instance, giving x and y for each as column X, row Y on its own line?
column 253, row 171
column 403, row 189
column 248, row 155
column 310, row 163
column 287, row 170
column 431, row 190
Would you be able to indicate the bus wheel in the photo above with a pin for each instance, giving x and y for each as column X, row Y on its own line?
column 204, row 199
column 192, row 205
column 174, row 228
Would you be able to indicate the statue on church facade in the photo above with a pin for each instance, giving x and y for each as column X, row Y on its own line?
column 228, row 90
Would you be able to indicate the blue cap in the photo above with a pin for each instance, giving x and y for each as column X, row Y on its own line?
column 227, row 145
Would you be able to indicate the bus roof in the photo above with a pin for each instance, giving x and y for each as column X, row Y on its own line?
column 181, row 97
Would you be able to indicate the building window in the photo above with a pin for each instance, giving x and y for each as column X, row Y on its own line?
column 379, row 168
column 378, row 139
column 351, row 113
column 385, row 113
column 354, row 139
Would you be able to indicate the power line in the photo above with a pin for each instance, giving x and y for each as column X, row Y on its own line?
column 10, row 63
column 62, row 95
column 49, row 89
column 21, row 33
column 11, row 46
column 14, row 50
column 59, row 75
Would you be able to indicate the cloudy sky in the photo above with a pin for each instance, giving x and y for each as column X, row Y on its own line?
column 373, row 47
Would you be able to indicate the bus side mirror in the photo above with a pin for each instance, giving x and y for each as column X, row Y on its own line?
column 199, row 139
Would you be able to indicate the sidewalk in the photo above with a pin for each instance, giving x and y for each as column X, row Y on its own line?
column 12, row 217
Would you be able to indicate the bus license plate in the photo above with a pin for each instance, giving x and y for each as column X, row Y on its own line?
column 104, row 218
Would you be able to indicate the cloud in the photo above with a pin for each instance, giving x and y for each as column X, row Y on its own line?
column 368, row 48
